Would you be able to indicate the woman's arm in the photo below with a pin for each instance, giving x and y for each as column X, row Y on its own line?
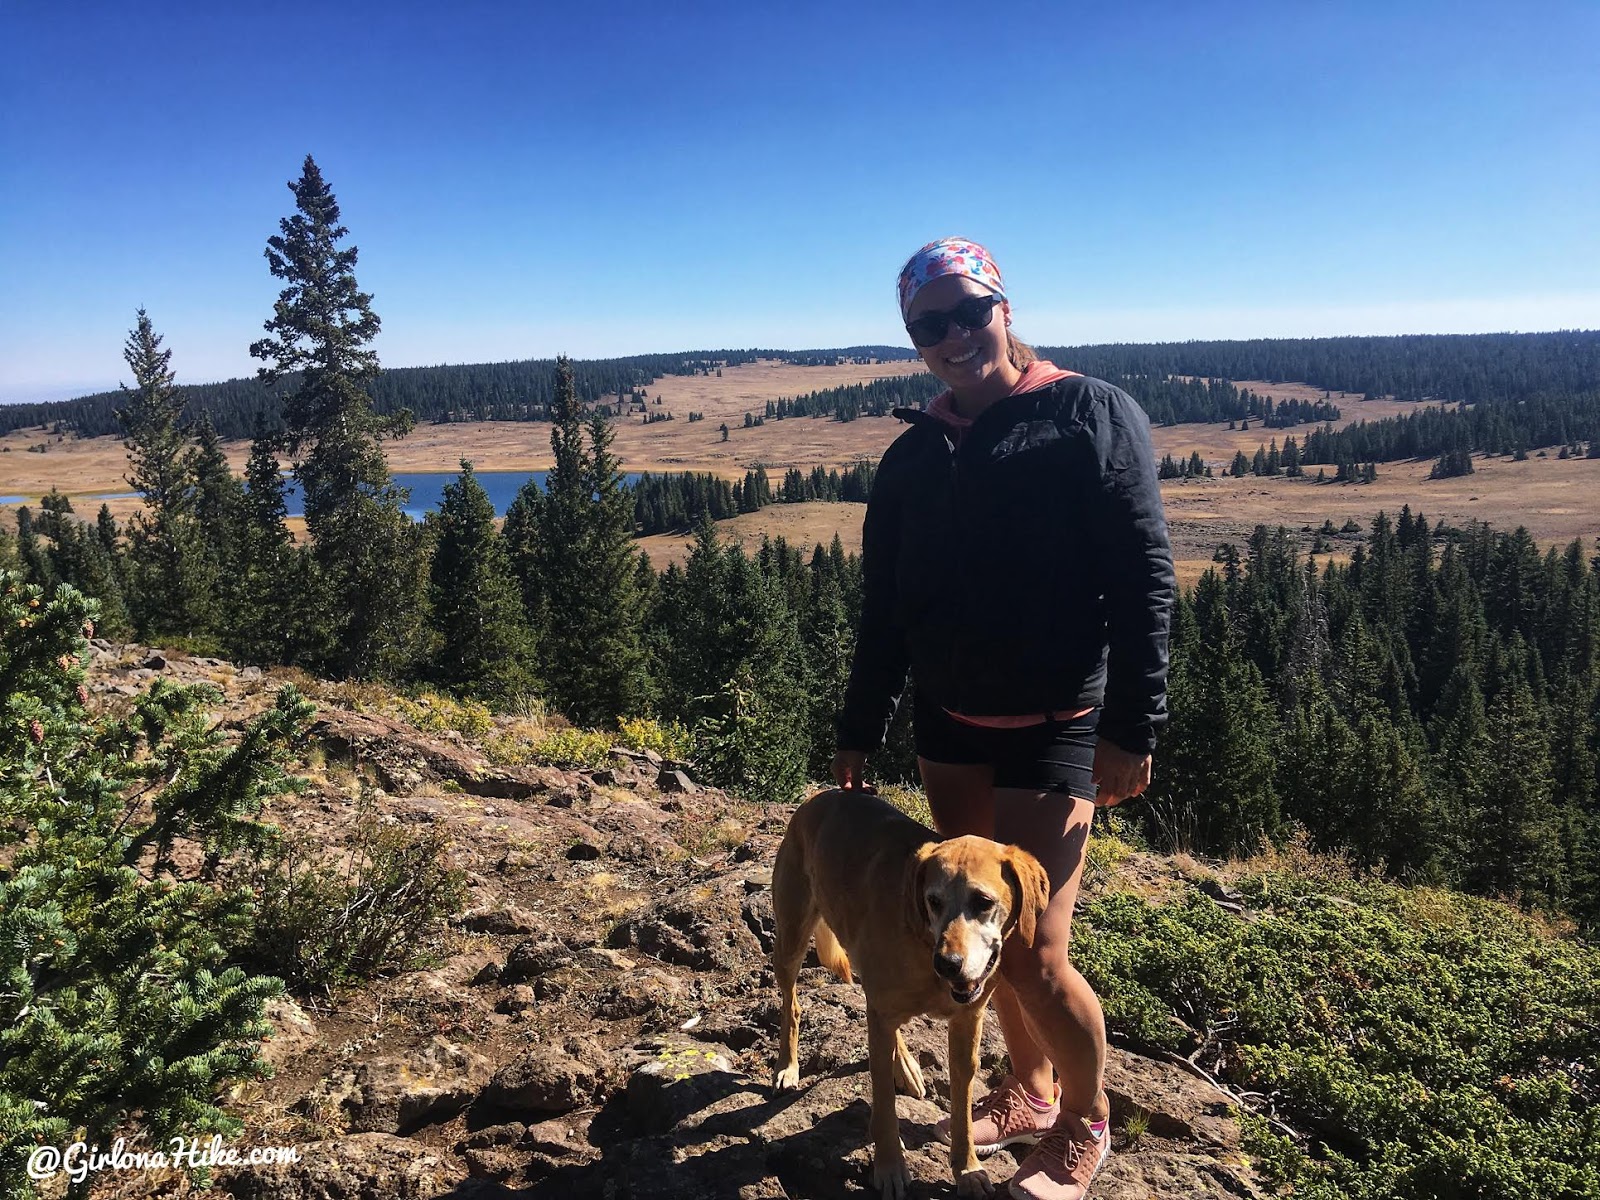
column 1139, row 586
column 878, row 670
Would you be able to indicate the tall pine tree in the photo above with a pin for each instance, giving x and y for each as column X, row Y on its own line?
column 364, row 546
column 576, row 548
column 170, row 576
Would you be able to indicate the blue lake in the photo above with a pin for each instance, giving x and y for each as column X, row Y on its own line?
column 427, row 489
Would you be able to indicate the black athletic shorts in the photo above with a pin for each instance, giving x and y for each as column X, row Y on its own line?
column 1056, row 756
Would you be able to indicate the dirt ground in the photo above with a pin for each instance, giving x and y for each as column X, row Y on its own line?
column 1556, row 500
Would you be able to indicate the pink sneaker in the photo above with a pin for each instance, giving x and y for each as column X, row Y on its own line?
column 1004, row 1118
column 1063, row 1164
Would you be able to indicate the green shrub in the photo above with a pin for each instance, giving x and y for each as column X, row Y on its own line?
column 1430, row 1044
column 433, row 713
column 118, row 1009
column 747, row 743
column 506, row 749
column 573, row 748
column 377, row 907
column 671, row 740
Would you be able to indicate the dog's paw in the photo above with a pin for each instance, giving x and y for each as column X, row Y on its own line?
column 974, row 1183
column 890, row 1177
column 786, row 1079
column 908, row 1075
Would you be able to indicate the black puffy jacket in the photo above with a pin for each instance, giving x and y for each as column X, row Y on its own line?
column 1027, row 572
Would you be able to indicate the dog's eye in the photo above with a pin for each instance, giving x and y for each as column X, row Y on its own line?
column 934, row 903
column 982, row 905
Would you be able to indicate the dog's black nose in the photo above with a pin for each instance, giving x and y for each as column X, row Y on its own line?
column 948, row 965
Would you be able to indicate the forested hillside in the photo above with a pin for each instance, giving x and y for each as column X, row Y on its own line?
column 507, row 391
column 1528, row 390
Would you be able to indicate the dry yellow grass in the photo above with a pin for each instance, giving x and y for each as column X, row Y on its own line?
column 1556, row 500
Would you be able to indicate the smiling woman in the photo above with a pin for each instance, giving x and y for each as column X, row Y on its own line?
column 1015, row 559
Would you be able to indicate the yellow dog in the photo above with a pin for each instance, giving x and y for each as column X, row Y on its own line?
column 923, row 920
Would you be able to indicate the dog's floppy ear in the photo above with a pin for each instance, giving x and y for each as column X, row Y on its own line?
column 916, row 914
column 1030, row 891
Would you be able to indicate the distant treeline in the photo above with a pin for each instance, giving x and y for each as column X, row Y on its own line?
column 1571, row 422
column 675, row 503
column 1470, row 368
column 1171, row 401
column 504, row 391
column 1176, row 382
column 876, row 398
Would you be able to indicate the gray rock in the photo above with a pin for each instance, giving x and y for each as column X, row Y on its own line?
column 518, row 1000
column 703, row 926
column 368, row 1166
column 640, row 993
column 508, row 920
column 675, row 781
column 491, row 1163
column 549, row 1080
column 293, row 1032
column 678, row 1081
column 555, row 1138
column 508, row 1134
column 398, row 1095
column 532, row 958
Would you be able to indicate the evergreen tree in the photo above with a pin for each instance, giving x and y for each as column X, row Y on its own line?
column 105, row 528
column 364, row 546
column 520, row 535
column 584, row 674
column 1215, row 787
column 118, row 1010
column 750, row 722
column 218, row 501
column 35, row 560
column 827, row 633
column 171, row 578
column 484, row 644
column 268, row 587
column 1519, row 851
column 615, row 681
column 77, row 556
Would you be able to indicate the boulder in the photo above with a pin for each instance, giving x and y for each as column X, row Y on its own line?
column 399, row 1094
column 367, row 1166
column 549, row 1080
column 500, row 921
column 293, row 1032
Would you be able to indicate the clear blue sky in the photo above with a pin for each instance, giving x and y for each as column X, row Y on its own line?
column 604, row 179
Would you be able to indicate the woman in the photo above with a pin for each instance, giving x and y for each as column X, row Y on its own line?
column 1015, row 560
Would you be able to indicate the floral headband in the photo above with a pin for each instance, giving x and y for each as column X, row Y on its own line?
column 947, row 256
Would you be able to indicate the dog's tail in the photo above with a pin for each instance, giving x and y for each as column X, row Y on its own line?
column 830, row 954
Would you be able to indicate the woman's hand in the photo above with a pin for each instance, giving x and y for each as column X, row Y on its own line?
column 1118, row 774
column 849, row 770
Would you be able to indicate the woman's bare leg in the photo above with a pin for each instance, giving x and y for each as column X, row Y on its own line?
column 962, row 798
column 1059, row 1008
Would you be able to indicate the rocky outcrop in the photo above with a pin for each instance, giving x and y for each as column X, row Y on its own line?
column 599, row 1021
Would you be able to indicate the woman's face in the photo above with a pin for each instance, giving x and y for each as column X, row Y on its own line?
column 967, row 360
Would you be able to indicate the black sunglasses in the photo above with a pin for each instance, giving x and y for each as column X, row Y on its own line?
column 930, row 328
